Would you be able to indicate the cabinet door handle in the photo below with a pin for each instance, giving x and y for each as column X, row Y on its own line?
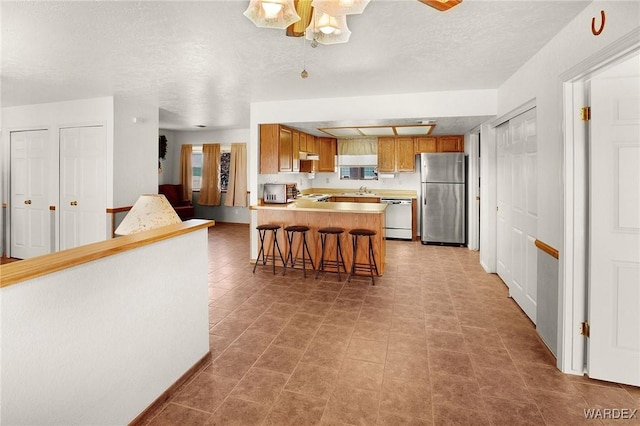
column 27, row 201
column 73, row 203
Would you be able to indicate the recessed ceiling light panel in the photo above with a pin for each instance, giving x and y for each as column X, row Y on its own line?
column 377, row 131
column 413, row 130
column 342, row 131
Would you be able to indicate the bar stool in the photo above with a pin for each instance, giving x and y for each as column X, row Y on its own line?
column 291, row 232
column 324, row 232
column 262, row 230
column 371, row 266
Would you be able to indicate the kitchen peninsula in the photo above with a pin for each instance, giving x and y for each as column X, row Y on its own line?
column 347, row 215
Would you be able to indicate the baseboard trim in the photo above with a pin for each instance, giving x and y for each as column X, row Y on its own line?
column 143, row 417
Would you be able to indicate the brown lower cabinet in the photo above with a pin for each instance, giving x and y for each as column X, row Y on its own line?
column 342, row 199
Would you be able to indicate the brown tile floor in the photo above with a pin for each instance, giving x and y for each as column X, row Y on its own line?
column 435, row 342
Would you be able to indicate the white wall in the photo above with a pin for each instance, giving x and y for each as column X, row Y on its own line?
column 135, row 151
column 98, row 343
column 539, row 78
column 171, row 161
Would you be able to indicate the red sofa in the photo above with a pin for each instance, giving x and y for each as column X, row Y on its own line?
column 174, row 195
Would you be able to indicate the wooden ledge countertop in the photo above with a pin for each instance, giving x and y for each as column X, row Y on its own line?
column 16, row 272
column 314, row 206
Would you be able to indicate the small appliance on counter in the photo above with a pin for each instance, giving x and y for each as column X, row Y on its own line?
column 279, row 193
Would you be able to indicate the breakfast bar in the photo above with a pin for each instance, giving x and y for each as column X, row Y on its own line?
column 317, row 215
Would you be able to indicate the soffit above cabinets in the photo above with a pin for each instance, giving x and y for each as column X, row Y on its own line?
column 392, row 130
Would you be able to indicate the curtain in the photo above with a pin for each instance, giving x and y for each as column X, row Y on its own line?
column 237, row 188
column 210, row 194
column 358, row 146
column 186, row 171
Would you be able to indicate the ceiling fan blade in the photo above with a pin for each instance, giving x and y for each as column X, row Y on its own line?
column 304, row 9
column 441, row 5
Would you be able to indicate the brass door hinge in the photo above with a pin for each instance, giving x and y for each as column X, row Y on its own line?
column 585, row 113
column 584, row 329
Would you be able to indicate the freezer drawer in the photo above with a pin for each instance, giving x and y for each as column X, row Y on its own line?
column 442, row 213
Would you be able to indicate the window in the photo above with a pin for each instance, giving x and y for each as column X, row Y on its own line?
column 196, row 168
column 359, row 173
column 225, row 160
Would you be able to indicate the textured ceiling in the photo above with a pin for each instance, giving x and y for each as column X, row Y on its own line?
column 203, row 62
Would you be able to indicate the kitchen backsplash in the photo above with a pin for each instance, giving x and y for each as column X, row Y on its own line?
column 409, row 181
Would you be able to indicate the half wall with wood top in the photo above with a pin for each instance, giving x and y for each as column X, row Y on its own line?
column 95, row 334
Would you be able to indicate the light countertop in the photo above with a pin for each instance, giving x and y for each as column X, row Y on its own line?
column 314, row 206
column 370, row 192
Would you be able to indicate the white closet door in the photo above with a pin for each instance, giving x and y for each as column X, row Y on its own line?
column 503, row 164
column 82, row 186
column 614, row 227
column 30, row 230
column 518, row 210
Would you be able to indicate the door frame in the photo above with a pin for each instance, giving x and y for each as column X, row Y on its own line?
column 472, row 147
column 572, row 297
column 6, row 187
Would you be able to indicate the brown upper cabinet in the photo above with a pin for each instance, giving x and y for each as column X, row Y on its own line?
column 327, row 150
column 396, row 154
column 269, row 148
column 405, row 155
column 448, row 143
column 426, row 144
column 280, row 149
column 303, row 142
column 386, row 155
column 286, row 151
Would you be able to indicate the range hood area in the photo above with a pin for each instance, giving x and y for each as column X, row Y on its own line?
column 309, row 156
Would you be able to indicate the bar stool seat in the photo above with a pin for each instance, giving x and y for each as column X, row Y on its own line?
column 324, row 233
column 262, row 231
column 371, row 266
column 291, row 232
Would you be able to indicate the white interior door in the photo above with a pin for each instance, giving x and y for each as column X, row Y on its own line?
column 82, row 186
column 503, row 164
column 517, row 209
column 524, row 212
column 613, row 349
column 30, row 230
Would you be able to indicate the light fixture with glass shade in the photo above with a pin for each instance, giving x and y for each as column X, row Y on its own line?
column 328, row 29
column 340, row 7
column 272, row 13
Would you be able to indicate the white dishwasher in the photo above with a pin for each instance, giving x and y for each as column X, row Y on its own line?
column 398, row 218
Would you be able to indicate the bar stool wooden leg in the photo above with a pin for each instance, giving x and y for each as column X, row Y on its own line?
column 273, row 251
column 261, row 251
column 323, row 241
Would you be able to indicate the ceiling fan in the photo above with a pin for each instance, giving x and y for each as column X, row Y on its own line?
column 322, row 21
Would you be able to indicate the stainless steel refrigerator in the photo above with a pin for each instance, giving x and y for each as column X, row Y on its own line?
column 443, row 198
